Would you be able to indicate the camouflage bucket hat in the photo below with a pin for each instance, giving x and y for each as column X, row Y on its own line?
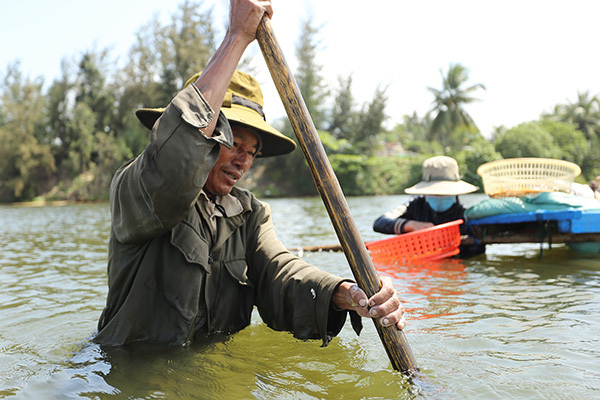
column 243, row 104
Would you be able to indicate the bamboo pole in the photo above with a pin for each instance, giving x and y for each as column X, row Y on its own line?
column 364, row 272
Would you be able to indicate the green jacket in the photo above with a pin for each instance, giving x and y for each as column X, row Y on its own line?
column 168, row 281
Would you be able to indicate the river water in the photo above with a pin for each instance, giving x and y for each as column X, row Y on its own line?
column 515, row 323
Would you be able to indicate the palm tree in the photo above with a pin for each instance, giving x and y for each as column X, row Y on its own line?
column 449, row 102
column 584, row 113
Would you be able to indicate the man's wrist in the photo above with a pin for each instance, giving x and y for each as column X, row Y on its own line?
column 340, row 293
column 334, row 307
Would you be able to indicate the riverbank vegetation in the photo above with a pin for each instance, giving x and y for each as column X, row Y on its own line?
column 65, row 139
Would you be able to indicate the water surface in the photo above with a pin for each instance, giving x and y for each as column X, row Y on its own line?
column 507, row 324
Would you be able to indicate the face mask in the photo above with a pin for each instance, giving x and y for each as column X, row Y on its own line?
column 440, row 203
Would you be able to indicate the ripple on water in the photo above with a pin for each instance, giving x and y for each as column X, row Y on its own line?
column 508, row 324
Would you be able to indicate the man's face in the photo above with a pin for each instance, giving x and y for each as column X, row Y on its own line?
column 232, row 164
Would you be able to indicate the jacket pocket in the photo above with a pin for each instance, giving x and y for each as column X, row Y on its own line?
column 179, row 270
column 179, row 286
column 238, row 270
column 192, row 245
column 232, row 297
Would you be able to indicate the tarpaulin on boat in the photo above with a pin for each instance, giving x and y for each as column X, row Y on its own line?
column 544, row 201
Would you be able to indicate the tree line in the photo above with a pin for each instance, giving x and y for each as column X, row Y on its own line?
column 66, row 141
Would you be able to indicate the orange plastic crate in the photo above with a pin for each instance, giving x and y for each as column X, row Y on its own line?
column 433, row 243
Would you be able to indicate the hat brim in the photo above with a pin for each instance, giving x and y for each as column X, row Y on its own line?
column 442, row 188
column 148, row 116
column 274, row 143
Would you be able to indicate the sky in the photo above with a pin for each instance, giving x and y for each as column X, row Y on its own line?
column 529, row 54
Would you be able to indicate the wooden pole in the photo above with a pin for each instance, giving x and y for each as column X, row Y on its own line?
column 394, row 341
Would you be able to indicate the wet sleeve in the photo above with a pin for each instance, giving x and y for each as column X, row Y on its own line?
column 292, row 295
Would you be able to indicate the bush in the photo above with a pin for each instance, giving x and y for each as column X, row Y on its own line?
column 470, row 158
column 361, row 175
column 529, row 139
column 571, row 141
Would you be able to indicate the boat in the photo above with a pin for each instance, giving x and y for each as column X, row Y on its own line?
column 540, row 226
column 531, row 202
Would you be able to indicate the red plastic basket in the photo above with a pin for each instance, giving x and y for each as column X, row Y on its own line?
column 433, row 243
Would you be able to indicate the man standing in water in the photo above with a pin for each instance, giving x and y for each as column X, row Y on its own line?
column 190, row 254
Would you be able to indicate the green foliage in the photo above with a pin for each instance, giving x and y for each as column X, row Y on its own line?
column 308, row 76
column 25, row 166
column 343, row 116
column 57, row 112
column 370, row 123
column 188, row 42
column 413, row 128
column 82, row 128
column 413, row 135
column 569, row 139
column 449, row 105
column 290, row 173
column 25, row 163
column 110, row 152
column 583, row 113
column 363, row 175
column 546, row 138
column 134, row 136
column 68, row 141
column 479, row 151
column 161, row 60
column 352, row 132
column 424, row 147
column 590, row 165
column 91, row 89
column 333, row 145
column 529, row 139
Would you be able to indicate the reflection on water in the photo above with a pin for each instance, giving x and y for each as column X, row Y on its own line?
column 422, row 293
column 507, row 324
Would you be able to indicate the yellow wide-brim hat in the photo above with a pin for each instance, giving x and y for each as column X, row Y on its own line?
column 243, row 104
column 441, row 178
